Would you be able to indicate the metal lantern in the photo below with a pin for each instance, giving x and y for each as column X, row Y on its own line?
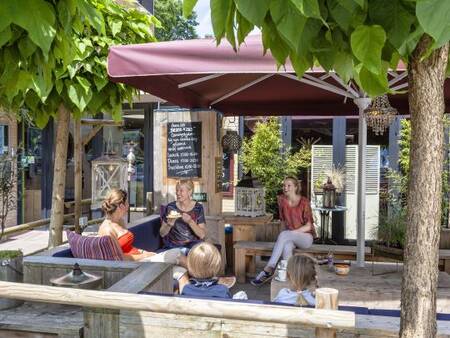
column 380, row 114
column 231, row 142
column 329, row 194
column 108, row 172
column 250, row 197
column 78, row 279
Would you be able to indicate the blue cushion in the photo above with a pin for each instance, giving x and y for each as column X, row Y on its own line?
column 146, row 233
column 396, row 313
column 63, row 253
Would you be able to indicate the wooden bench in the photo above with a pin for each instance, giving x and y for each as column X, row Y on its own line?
column 250, row 249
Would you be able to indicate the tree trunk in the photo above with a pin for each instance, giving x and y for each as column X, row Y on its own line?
column 426, row 104
column 59, row 177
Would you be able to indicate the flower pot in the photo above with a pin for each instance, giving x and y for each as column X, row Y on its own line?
column 11, row 270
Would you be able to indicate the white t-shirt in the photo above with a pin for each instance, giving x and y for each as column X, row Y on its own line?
column 289, row 296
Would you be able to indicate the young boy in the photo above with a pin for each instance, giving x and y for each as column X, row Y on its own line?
column 203, row 264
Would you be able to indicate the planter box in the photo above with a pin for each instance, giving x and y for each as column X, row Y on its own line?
column 379, row 250
column 11, row 270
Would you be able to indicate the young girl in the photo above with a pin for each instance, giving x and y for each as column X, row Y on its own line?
column 301, row 274
column 296, row 217
column 204, row 263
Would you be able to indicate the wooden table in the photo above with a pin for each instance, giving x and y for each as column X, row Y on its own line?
column 244, row 229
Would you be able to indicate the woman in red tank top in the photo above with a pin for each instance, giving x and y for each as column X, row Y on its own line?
column 115, row 207
column 296, row 216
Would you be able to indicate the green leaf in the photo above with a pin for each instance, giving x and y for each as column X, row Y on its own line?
column 26, row 47
column 367, row 43
column 253, row 13
column 244, row 27
column 115, row 25
column 309, row 8
column 40, row 118
column 373, row 84
column 78, row 95
column 85, row 84
column 93, row 15
column 297, row 30
column 59, row 85
column 188, row 6
column 433, row 16
column 229, row 31
column 344, row 12
column 100, row 82
column 300, row 63
column 410, row 42
column 40, row 25
column 5, row 35
column 395, row 19
column 343, row 65
column 219, row 13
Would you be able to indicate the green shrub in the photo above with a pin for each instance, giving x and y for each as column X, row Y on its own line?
column 264, row 155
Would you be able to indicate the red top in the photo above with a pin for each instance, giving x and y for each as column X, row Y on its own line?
column 126, row 243
column 296, row 216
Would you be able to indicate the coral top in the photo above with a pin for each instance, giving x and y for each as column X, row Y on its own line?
column 296, row 216
column 126, row 243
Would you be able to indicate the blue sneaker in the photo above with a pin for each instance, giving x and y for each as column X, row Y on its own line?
column 261, row 278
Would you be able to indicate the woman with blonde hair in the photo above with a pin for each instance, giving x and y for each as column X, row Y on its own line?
column 296, row 217
column 183, row 221
column 204, row 262
column 115, row 207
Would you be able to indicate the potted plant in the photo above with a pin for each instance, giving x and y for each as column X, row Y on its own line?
column 10, row 260
column 391, row 233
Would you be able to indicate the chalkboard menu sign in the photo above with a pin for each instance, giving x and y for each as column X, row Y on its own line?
column 184, row 149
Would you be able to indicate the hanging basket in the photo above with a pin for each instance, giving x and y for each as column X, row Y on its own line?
column 231, row 142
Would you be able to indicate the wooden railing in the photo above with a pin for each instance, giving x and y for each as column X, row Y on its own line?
column 196, row 308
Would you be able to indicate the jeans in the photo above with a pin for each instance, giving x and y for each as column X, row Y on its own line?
column 286, row 242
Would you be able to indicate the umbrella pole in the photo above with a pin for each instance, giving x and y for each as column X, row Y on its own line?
column 362, row 104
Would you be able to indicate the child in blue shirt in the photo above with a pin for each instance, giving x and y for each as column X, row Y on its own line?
column 301, row 274
column 203, row 263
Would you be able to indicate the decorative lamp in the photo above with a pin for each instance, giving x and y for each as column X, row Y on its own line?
column 231, row 142
column 380, row 114
column 108, row 172
column 77, row 279
column 250, row 195
column 329, row 194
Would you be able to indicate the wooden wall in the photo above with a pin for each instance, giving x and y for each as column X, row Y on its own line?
column 164, row 187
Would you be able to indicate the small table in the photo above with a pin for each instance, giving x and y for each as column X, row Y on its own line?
column 325, row 221
column 244, row 229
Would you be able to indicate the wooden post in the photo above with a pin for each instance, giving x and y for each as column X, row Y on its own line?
column 326, row 298
column 78, row 154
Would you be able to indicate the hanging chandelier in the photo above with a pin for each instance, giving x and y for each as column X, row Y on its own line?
column 380, row 114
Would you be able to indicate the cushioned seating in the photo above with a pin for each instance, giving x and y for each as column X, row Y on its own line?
column 146, row 236
column 102, row 248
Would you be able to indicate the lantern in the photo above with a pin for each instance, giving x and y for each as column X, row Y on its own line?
column 329, row 194
column 231, row 142
column 250, row 197
column 78, row 279
column 108, row 172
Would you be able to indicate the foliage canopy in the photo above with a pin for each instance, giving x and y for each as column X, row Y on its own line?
column 359, row 39
column 53, row 52
column 173, row 25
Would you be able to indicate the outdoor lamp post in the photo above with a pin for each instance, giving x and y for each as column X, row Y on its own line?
column 131, row 158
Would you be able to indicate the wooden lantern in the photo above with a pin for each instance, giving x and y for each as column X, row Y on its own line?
column 108, row 172
column 250, row 199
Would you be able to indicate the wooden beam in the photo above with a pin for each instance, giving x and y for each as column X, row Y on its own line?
column 326, row 298
column 31, row 225
column 92, row 133
column 330, row 319
column 78, row 180
column 97, row 122
column 86, row 201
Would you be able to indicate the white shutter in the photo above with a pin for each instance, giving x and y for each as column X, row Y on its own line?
column 351, row 169
column 372, row 170
column 321, row 161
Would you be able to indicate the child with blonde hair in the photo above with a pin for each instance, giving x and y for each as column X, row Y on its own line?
column 301, row 274
column 203, row 263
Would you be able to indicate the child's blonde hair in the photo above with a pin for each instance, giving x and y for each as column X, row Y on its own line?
column 204, row 261
column 301, row 271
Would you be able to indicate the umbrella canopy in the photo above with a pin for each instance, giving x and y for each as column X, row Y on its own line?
column 199, row 74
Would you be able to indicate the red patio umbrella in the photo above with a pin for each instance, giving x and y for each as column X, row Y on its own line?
column 199, row 74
